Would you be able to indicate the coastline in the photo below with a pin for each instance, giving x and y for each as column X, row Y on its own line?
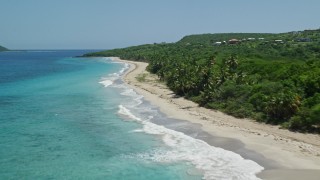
column 296, row 155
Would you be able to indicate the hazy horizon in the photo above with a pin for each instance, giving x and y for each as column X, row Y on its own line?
column 97, row 24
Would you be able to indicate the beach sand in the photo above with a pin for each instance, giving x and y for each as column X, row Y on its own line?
column 284, row 154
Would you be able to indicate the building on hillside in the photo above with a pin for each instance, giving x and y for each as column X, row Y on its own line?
column 303, row 40
column 279, row 41
column 233, row 41
column 296, row 32
column 218, row 43
column 260, row 38
column 251, row 39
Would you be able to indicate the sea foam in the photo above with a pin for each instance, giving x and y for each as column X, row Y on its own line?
column 111, row 78
column 216, row 163
column 106, row 82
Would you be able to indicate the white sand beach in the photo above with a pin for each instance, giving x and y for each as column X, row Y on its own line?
column 296, row 155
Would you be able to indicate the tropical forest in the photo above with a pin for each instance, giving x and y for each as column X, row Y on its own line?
column 271, row 78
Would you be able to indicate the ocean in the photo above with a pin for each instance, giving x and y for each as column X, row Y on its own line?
column 63, row 117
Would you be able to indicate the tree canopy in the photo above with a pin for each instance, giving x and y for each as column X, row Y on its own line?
column 272, row 78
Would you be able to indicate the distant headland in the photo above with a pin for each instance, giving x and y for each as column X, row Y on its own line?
column 3, row 48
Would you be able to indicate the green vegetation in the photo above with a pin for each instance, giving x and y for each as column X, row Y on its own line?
column 3, row 48
column 274, row 78
column 141, row 77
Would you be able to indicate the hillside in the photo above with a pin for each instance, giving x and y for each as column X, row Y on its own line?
column 3, row 48
column 273, row 78
column 211, row 38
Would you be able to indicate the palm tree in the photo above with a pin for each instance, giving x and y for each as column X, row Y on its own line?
column 283, row 105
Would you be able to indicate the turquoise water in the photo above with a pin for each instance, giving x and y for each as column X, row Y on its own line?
column 64, row 124
column 73, row 118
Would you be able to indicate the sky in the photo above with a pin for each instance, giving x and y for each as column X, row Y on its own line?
column 107, row 24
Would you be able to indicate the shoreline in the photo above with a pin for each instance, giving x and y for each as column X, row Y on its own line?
column 292, row 155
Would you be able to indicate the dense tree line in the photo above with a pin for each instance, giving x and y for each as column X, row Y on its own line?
column 272, row 82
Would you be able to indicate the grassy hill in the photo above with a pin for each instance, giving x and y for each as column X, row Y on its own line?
column 211, row 38
column 292, row 46
column 273, row 78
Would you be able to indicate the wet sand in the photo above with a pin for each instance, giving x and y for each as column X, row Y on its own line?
column 283, row 154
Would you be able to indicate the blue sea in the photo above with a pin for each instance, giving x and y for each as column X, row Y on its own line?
column 63, row 117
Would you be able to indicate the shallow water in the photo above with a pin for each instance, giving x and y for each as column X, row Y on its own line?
column 73, row 118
